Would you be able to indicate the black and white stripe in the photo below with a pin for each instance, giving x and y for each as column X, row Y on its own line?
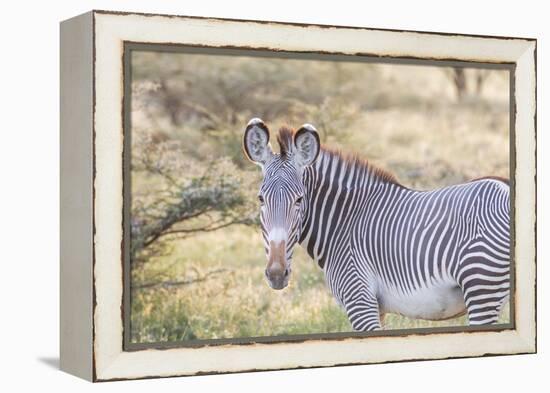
column 386, row 248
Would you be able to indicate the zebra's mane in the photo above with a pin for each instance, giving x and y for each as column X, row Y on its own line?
column 361, row 163
column 285, row 138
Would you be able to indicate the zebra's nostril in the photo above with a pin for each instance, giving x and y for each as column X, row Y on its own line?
column 287, row 272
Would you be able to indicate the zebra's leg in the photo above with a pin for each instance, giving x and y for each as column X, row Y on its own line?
column 363, row 312
column 485, row 283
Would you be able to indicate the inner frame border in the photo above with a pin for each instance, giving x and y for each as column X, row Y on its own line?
column 131, row 46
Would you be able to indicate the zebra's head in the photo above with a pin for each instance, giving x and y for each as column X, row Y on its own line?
column 281, row 196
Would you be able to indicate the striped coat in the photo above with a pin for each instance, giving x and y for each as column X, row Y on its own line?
column 384, row 248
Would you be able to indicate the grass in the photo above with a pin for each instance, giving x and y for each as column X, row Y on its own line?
column 236, row 301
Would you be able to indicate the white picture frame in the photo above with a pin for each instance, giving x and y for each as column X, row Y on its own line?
column 92, row 152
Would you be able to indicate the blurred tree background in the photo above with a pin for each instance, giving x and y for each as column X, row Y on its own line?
column 196, row 250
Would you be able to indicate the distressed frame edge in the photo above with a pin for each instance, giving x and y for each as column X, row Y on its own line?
column 307, row 367
column 76, row 196
column 528, row 340
column 129, row 47
column 305, row 24
column 526, row 123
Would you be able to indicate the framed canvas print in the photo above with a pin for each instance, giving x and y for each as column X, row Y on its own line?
column 247, row 195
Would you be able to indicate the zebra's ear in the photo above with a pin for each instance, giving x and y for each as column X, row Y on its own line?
column 256, row 142
column 307, row 145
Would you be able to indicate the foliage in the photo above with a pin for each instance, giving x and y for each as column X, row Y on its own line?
column 182, row 198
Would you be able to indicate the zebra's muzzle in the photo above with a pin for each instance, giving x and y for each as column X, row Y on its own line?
column 277, row 271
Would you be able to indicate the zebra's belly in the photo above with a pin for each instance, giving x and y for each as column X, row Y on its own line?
column 440, row 301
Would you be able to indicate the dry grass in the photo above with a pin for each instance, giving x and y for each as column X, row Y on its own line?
column 236, row 301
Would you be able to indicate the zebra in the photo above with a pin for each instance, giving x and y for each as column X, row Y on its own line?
column 383, row 247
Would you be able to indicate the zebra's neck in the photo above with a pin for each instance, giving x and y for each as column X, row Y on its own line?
column 337, row 188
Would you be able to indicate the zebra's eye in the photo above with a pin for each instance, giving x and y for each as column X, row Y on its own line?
column 298, row 201
column 261, row 199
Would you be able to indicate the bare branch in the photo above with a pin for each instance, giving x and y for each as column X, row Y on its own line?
column 171, row 284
